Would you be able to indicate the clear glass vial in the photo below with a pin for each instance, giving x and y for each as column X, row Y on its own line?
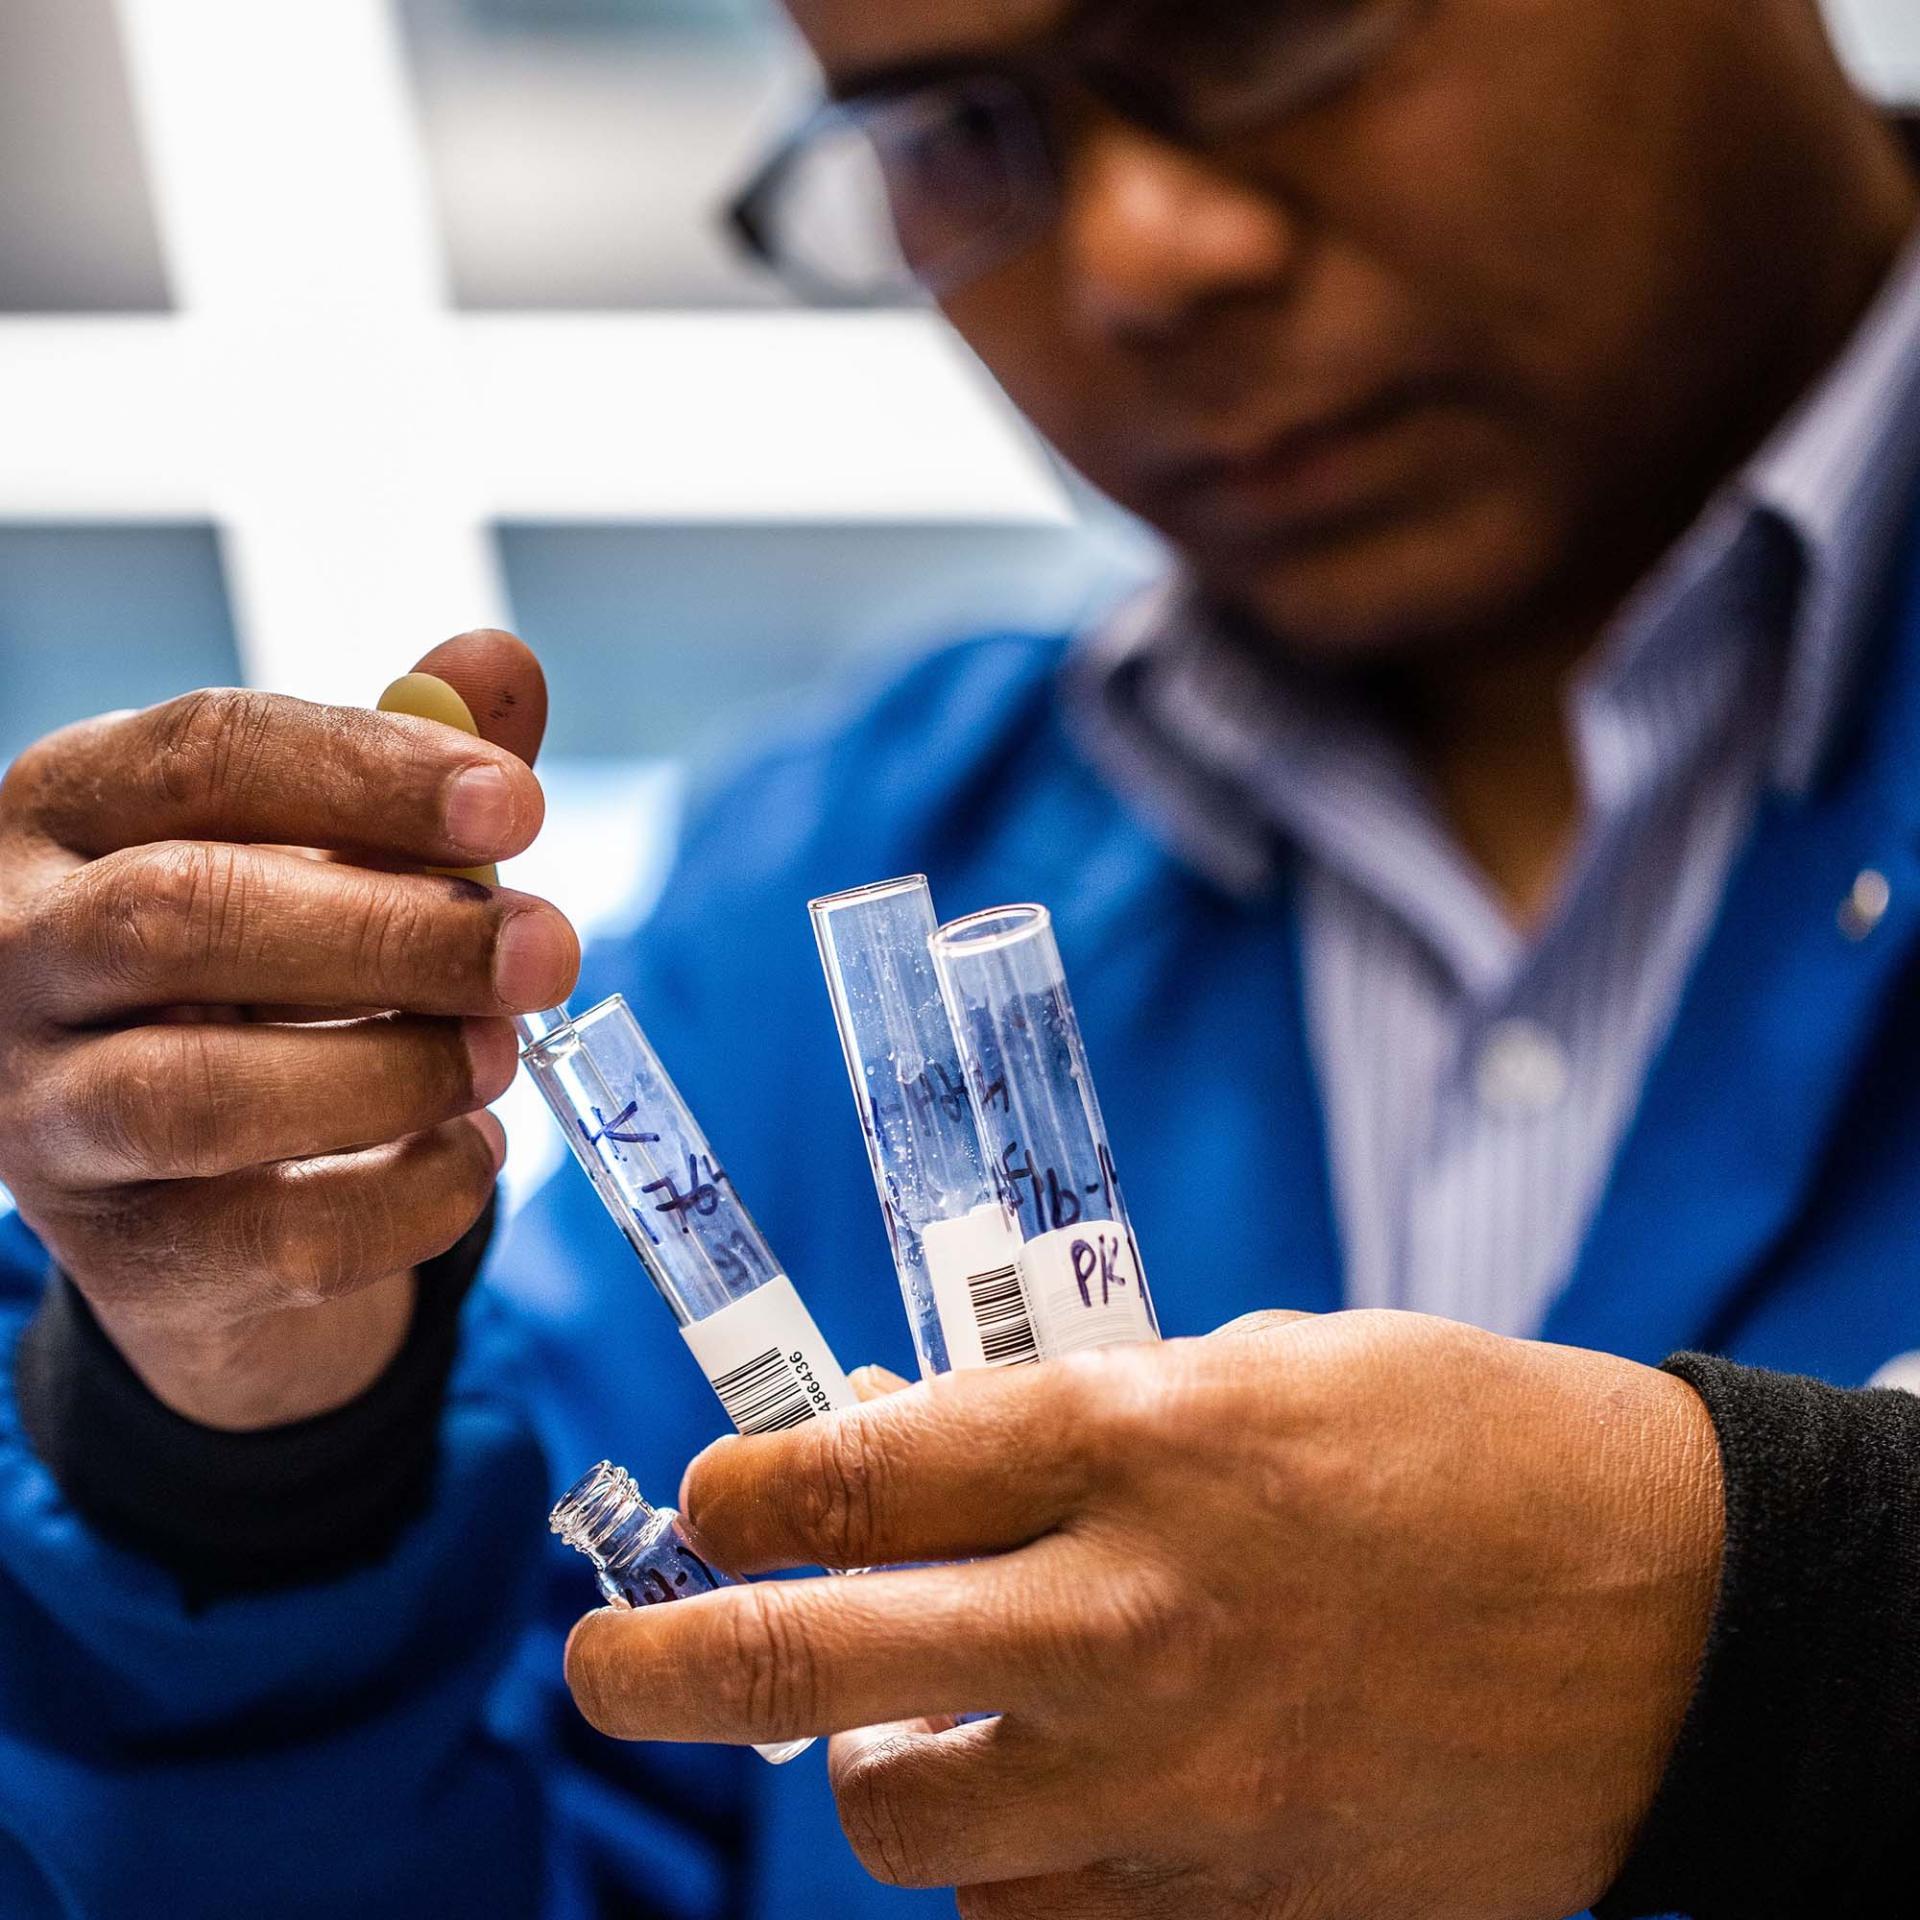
column 641, row 1555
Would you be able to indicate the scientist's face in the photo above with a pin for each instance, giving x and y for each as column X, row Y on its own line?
column 1396, row 373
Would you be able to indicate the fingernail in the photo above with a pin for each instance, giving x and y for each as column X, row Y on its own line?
column 494, row 1056
column 493, row 1133
column 533, row 961
column 479, row 811
column 873, row 1382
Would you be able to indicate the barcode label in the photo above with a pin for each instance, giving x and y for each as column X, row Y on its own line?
column 1086, row 1288
column 973, row 1267
column 1000, row 1312
column 764, row 1395
column 767, row 1361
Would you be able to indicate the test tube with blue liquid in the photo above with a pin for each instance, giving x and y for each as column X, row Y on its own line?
column 641, row 1554
column 1041, row 1133
column 954, row 1249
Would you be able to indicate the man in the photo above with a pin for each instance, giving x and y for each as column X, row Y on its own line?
column 1488, row 882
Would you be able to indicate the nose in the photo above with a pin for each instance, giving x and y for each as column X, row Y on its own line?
column 1152, row 234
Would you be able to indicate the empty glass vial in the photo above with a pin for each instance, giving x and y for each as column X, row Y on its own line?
column 641, row 1556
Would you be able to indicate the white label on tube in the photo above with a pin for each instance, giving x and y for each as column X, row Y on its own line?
column 1084, row 1283
column 767, row 1360
column 973, row 1265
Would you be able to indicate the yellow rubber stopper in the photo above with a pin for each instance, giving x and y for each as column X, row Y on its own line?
column 426, row 697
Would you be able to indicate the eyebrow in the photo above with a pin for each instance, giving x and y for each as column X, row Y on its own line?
column 883, row 78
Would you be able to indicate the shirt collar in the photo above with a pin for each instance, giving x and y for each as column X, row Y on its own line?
column 1840, row 471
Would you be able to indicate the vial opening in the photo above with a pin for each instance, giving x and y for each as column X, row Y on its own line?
column 596, row 1507
column 862, row 896
column 997, row 927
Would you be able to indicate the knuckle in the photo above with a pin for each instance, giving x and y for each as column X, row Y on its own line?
column 209, row 742
column 889, row 1845
column 1135, row 1624
column 107, row 1123
column 123, row 1245
column 168, row 1111
column 151, row 907
column 769, row 1676
column 32, row 774
column 1110, row 1406
column 34, row 1147
column 50, row 782
column 302, row 1237
column 393, row 925
column 431, row 1071
column 838, row 1501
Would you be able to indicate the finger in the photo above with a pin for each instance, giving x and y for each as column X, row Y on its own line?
column 227, row 764
column 1270, row 1320
column 795, row 1657
column 966, row 1464
column 294, row 1234
column 875, row 1382
column 179, row 1102
column 196, row 922
column 499, row 678
column 995, row 1800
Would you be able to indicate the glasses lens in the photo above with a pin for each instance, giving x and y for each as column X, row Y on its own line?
column 921, row 192
column 965, row 167
column 826, row 222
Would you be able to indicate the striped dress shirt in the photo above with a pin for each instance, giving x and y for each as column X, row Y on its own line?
column 1477, row 1081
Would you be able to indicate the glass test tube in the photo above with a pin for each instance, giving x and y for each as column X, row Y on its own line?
column 1041, row 1131
column 953, row 1247
column 641, row 1555
column 656, row 1174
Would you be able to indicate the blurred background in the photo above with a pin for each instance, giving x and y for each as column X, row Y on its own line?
column 330, row 327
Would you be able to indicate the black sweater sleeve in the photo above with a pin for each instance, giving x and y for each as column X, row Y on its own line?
column 242, row 1512
column 1795, row 1788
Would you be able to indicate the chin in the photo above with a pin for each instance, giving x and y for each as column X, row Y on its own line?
column 1458, row 581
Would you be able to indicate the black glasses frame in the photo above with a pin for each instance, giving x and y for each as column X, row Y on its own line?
column 1080, row 57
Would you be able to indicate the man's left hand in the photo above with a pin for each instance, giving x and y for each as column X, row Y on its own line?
column 1342, row 1617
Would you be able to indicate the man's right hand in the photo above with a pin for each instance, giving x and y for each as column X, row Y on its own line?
column 242, row 1087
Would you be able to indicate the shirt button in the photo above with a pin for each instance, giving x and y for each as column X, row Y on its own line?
column 1866, row 904
column 1522, row 1068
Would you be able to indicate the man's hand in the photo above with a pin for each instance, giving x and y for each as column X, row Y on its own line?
column 1357, row 1616
column 241, row 1084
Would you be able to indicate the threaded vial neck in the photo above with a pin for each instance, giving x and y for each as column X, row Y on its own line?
column 600, row 1513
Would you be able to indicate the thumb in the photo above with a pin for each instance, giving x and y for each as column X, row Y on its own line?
column 499, row 678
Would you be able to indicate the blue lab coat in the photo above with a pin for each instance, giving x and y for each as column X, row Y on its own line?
column 395, row 1742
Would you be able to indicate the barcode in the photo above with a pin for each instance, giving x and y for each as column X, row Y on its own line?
column 1000, row 1312
column 764, row 1395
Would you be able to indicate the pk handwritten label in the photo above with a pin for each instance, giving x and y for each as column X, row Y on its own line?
column 1084, row 1285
